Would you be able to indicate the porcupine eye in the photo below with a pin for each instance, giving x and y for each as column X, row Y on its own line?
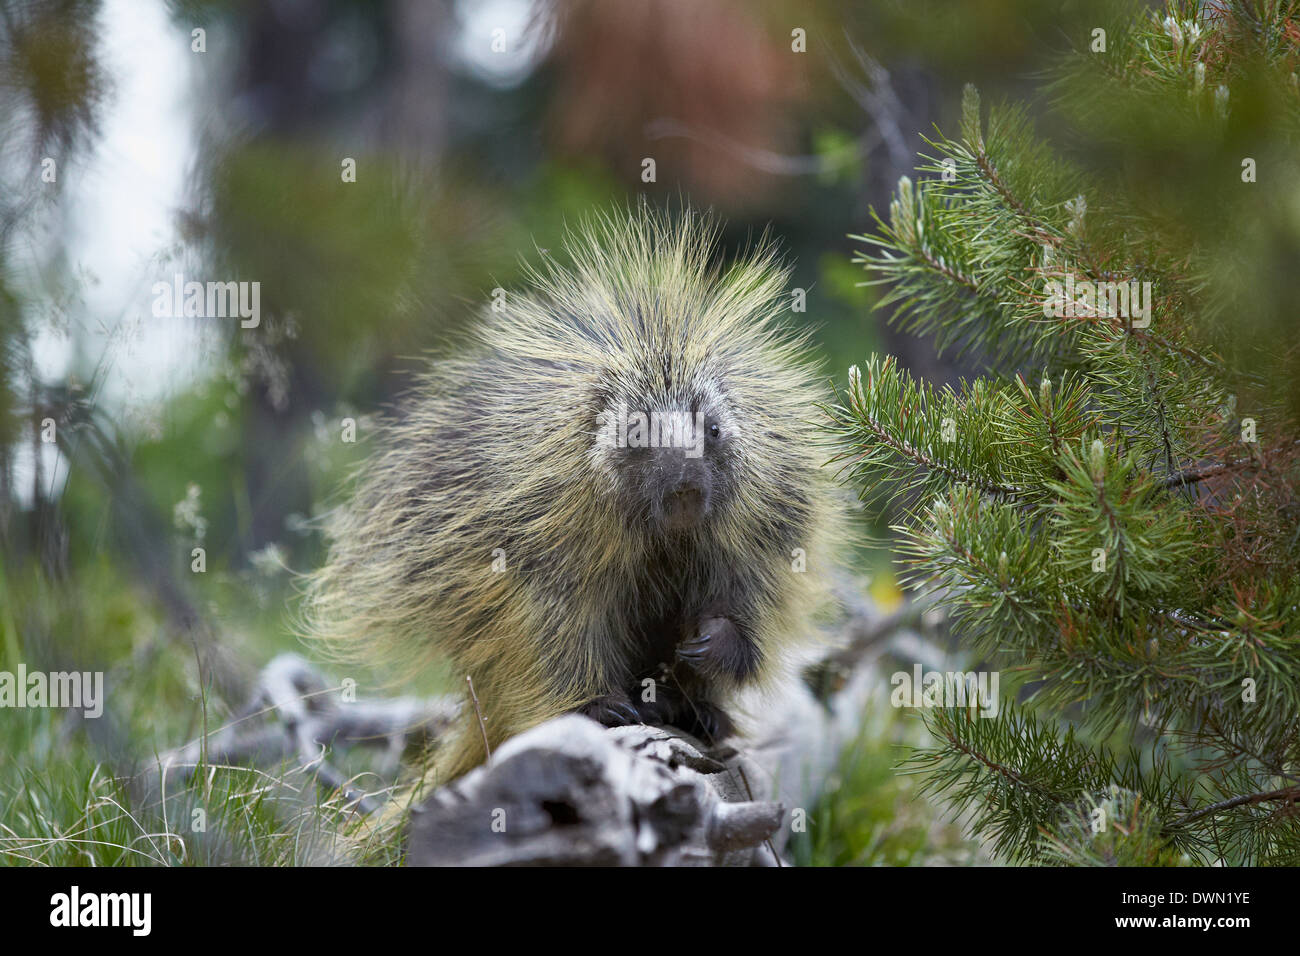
column 714, row 431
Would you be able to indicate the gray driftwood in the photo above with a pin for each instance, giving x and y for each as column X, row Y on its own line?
column 570, row 792
column 294, row 715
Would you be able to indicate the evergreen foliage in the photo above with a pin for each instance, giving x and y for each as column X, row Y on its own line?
column 1109, row 512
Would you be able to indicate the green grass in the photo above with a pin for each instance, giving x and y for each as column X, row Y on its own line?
column 63, row 804
column 870, row 815
column 79, row 792
column 84, row 792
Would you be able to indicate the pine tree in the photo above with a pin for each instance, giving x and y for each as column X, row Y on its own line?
column 1109, row 512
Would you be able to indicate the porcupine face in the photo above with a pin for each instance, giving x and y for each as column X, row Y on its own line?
column 670, row 458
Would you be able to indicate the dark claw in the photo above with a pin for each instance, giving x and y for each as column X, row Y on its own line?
column 696, row 649
column 719, row 649
column 612, row 710
column 629, row 713
column 709, row 723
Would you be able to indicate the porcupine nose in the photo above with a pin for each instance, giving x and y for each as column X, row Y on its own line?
column 686, row 499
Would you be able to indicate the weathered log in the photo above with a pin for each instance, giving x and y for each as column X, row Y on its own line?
column 295, row 715
column 570, row 792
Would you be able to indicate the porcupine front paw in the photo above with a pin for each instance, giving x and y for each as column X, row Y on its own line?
column 613, row 710
column 698, row 716
column 719, row 649
column 707, row 721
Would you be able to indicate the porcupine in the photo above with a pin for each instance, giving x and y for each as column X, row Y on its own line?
column 609, row 501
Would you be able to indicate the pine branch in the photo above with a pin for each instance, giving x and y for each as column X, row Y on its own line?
column 1209, row 470
column 1285, row 794
column 895, row 433
column 1192, row 476
column 907, row 452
